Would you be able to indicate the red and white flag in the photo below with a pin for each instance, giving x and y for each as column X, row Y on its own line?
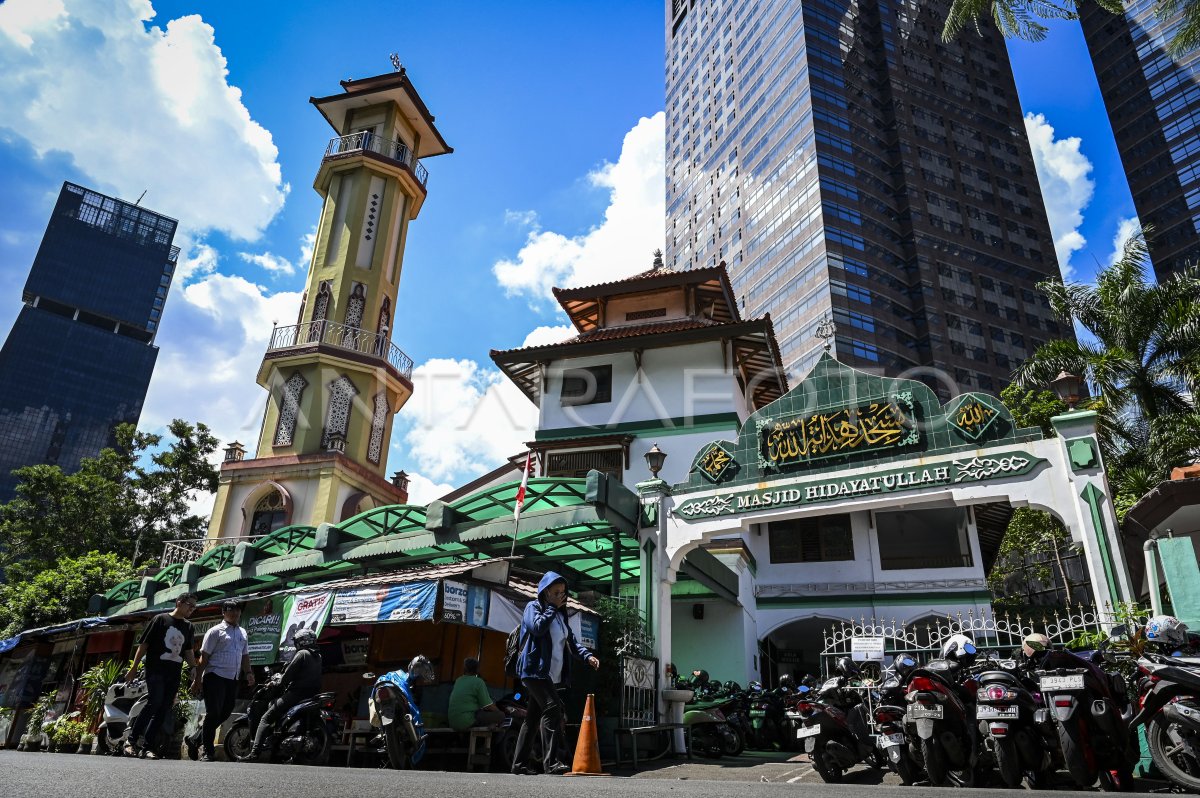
column 524, row 481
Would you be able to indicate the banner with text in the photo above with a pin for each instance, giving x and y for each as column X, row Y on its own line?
column 413, row 601
column 464, row 603
column 304, row 611
column 263, row 620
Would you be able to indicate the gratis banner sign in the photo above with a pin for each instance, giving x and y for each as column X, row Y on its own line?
column 304, row 611
column 263, row 620
column 413, row 601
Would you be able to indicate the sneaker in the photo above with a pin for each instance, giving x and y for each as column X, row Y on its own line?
column 131, row 750
column 148, row 754
column 193, row 748
column 205, row 756
column 524, row 770
column 557, row 769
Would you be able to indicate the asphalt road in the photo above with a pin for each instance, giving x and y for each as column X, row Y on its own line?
column 41, row 775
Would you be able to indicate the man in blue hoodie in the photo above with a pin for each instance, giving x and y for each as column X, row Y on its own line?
column 547, row 644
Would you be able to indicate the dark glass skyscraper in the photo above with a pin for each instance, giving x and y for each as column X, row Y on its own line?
column 841, row 159
column 1153, row 104
column 79, row 357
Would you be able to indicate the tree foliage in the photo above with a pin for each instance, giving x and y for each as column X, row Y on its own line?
column 126, row 501
column 1020, row 18
column 60, row 593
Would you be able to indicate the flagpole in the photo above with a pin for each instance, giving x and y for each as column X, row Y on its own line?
column 519, row 502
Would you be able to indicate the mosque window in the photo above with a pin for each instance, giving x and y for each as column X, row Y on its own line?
column 289, row 410
column 378, row 425
column 337, row 421
column 827, row 538
column 587, row 386
column 269, row 514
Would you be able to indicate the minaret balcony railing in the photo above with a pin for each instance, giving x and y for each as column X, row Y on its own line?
column 392, row 150
column 354, row 339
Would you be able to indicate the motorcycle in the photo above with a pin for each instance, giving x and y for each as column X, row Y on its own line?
column 1088, row 712
column 836, row 734
column 766, row 718
column 394, row 711
column 302, row 735
column 1169, row 705
column 941, row 723
column 504, row 746
column 709, row 728
column 123, row 702
column 1020, row 734
column 889, row 720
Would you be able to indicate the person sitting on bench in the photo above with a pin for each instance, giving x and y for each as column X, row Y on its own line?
column 470, row 702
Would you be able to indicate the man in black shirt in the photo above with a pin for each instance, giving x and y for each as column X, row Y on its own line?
column 165, row 645
column 301, row 680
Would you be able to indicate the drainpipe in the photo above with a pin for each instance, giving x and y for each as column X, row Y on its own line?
column 1149, row 548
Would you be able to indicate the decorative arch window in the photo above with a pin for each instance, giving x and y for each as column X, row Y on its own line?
column 269, row 514
column 337, row 420
column 289, row 410
column 356, row 305
column 320, row 311
column 378, row 424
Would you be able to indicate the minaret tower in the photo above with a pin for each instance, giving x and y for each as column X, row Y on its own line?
column 334, row 377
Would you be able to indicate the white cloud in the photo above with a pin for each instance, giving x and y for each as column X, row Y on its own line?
column 138, row 108
column 1062, row 170
column 549, row 335
column 422, row 490
column 212, row 339
column 621, row 245
column 1125, row 230
column 463, row 419
column 269, row 262
column 195, row 260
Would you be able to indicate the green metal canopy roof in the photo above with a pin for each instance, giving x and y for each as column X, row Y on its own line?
column 585, row 529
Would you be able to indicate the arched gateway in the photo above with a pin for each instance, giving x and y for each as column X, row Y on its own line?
column 858, row 495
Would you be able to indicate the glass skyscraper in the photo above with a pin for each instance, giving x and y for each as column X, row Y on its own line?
column 1153, row 104
column 79, row 357
column 842, row 160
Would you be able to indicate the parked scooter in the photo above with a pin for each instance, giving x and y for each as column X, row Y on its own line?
column 1020, row 733
column 711, row 733
column 889, row 720
column 504, row 745
column 766, row 717
column 394, row 711
column 941, row 715
column 302, row 735
column 123, row 702
column 836, row 733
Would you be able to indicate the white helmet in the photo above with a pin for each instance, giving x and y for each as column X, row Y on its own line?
column 959, row 647
column 1166, row 629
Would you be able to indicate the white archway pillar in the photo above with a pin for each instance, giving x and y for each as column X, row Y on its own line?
column 1088, row 514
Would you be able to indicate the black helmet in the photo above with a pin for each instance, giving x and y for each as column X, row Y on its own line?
column 421, row 668
column 787, row 682
column 846, row 667
column 305, row 639
column 700, row 677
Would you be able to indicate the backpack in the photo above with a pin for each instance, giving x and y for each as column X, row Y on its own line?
column 512, row 652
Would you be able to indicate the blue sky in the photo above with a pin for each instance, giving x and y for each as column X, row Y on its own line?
column 554, row 111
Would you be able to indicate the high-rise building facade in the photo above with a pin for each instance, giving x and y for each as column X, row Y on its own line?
column 80, row 355
column 1153, row 104
column 842, row 160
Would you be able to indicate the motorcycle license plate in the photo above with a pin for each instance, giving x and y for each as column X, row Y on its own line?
column 923, row 711
column 889, row 740
column 811, row 731
column 997, row 712
column 1049, row 684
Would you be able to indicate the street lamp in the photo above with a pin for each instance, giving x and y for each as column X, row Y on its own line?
column 655, row 459
column 1068, row 387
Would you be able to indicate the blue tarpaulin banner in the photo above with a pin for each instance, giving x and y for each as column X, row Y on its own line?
column 413, row 601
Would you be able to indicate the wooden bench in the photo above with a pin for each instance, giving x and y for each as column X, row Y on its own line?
column 632, row 733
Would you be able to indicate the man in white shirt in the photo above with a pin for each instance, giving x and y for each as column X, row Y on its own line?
column 224, row 655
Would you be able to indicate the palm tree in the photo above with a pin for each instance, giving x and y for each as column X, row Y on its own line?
column 1139, row 353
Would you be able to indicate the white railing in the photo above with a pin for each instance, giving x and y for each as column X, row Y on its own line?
column 392, row 150
column 192, row 549
column 354, row 339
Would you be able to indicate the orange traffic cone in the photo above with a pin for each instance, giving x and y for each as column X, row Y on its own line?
column 587, row 750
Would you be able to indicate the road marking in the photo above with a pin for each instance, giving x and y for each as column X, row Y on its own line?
column 808, row 772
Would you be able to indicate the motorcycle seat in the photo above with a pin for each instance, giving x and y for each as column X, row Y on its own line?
column 998, row 677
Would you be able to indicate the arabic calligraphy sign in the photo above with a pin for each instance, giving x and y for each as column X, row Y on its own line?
column 714, row 462
column 881, row 424
column 971, row 416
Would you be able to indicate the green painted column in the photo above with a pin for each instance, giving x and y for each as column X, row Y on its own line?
column 1094, row 496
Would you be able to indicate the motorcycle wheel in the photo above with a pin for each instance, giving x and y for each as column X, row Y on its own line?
column 826, row 768
column 319, row 743
column 732, row 741
column 238, row 743
column 1179, row 764
column 905, row 769
column 397, row 751
column 103, row 745
column 935, row 762
column 1080, row 761
column 1008, row 761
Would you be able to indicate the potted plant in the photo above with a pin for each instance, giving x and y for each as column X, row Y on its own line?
column 95, row 682
column 87, row 743
column 34, row 733
column 67, row 733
